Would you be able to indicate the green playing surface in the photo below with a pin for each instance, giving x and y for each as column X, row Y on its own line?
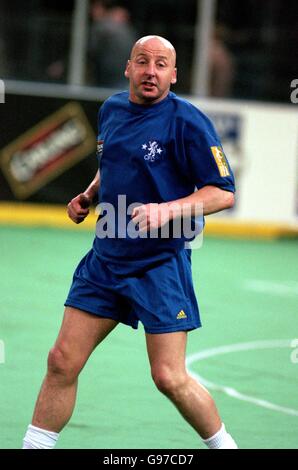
column 248, row 293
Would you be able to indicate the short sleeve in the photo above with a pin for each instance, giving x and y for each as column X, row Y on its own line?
column 205, row 154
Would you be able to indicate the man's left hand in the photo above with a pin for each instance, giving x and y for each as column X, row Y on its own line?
column 151, row 216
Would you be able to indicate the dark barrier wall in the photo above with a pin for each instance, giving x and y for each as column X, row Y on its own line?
column 47, row 148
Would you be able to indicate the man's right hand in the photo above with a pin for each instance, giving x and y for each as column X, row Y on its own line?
column 78, row 208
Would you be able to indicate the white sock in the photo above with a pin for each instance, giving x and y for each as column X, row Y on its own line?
column 221, row 440
column 37, row 438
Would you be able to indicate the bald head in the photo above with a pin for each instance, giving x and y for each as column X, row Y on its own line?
column 156, row 44
column 151, row 70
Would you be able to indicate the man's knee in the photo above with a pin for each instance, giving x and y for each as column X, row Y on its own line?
column 168, row 381
column 61, row 365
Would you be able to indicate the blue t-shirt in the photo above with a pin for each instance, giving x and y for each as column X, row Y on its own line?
column 151, row 154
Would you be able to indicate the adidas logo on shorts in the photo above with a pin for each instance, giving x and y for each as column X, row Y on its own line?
column 181, row 315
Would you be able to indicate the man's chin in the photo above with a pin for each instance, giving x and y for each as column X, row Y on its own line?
column 146, row 97
column 150, row 96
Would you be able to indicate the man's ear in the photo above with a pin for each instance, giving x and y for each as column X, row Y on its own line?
column 126, row 73
column 174, row 77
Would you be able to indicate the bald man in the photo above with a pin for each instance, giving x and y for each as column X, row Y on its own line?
column 160, row 161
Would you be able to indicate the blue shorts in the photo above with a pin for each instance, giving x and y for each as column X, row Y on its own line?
column 162, row 297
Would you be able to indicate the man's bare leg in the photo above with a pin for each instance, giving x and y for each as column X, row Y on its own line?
column 166, row 354
column 80, row 333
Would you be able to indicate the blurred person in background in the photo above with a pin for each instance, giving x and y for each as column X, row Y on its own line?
column 262, row 38
column 222, row 67
column 111, row 38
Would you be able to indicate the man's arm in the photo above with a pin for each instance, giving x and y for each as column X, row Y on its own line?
column 211, row 198
column 78, row 207
column 207, row 200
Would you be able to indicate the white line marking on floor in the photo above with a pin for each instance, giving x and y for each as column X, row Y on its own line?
column 285, row 288
column 232, row 392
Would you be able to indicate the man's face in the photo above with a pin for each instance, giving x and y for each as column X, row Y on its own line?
column 151, row 71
